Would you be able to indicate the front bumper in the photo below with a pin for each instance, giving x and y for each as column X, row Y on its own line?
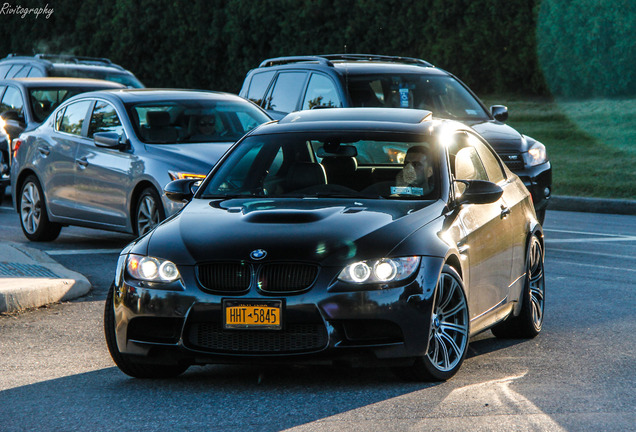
column 538, row 180
column 322, row 324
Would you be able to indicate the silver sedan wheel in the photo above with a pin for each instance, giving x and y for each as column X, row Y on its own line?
column 536, row 278
column 30, row 208
column 147, row 215
column 448, row 339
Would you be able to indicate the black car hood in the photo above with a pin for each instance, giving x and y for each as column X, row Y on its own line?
column 197, row 157
column 325, row 231
column 500, row 136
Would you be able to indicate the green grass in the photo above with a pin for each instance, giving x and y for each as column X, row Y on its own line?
column 591, row 144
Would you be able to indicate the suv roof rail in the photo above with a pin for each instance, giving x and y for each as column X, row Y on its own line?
column 362, row 57
column 295, row 59
column 78, row 59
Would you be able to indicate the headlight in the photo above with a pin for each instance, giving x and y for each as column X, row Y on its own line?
column 175, row 175
column 536, row 155
column 383, row 270
column 151, row 269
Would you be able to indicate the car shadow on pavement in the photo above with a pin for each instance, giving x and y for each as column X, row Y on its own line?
column 486, row 343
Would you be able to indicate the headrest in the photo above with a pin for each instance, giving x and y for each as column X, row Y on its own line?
column 305, row 174
column 157, row 118
column 340, row 164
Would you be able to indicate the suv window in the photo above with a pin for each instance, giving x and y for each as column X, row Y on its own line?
column 321, row 91
column 3, row 70
column 105, row 119
column 74, row 116
column 23, row 73
column 14, row 70
column 35, row 73
column 286, row 92
column 258, row 86
column 12, row 101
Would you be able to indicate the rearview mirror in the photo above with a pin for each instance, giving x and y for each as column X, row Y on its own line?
column 499, row 112
column 479, row 192
column 181, row 190
column 107, row 139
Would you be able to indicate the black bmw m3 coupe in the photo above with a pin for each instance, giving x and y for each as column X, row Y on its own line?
column 371, row 236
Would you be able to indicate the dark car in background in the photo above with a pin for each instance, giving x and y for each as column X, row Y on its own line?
column 102, row 158
column 286, row 84
column 290, row 251
column 26, row 102
column 70, row 66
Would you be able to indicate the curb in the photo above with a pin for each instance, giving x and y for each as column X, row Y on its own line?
column 593, row 205
column 29, row 278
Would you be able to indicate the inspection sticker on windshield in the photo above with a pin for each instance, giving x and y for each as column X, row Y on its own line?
column 406, row 190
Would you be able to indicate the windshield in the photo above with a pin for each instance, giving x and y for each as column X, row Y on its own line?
column 336, row 165
column 194, row 121
column 44, row 100
column 127, row 79
column 443, row 95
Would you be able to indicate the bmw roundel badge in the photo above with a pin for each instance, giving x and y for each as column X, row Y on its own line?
column 258, row 254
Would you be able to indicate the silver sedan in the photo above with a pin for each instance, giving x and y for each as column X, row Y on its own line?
column 101, row 159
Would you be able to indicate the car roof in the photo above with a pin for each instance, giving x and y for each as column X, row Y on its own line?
column 61, row 82
column 63, row 59
column 154, row 94
column 364, row 119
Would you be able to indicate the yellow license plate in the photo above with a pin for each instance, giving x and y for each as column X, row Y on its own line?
column 252, row 314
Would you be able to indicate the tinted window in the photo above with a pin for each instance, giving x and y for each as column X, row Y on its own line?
column 126, row 79
column 442, row 95
column 465, row 162
column 286, row 93
column 74, row 116
column 490, row 161
column 104, row 119
column 194, row 120
column 258, row 86
column 12, row 101
column 44, row 101
column 321, row 92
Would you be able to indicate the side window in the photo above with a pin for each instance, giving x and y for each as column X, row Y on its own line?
column 286, row 93
column 74, row 116
column 258, row 86
column 491, row 162
column 12, row 101
column 3, row 70
column 104, row 119
column 465, row 162
column 15, row 69
column 23, row 73
column 35, row 73
column 321, row 92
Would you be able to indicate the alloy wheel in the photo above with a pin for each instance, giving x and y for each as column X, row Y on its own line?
column 536, row 280
column 449, row 328
column 30, row 208
column 148, row 215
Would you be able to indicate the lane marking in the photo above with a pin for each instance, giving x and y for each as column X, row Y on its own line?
column 82, row 251
column 583, row 232
column 572, row 251
column 594, row 265
column 595, row 240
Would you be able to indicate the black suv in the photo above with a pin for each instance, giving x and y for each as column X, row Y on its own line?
column 54, row 65
column 285, row 84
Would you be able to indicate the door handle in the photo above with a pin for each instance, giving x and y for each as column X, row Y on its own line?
column 505, row 211
column 82, row 162
column 44, row 150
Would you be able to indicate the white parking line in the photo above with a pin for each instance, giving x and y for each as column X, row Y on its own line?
column 592, row 240
column 582, row 232
column 619, row 269
column 82, row 251
column 570, row 251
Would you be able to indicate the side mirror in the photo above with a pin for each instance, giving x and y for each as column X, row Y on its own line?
column 479, row 192
column 499, row 112
column 107, row 139
column 181, row 190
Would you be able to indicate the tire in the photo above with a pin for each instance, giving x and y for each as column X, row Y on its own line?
column 34, row 219
column 530, row 320
column 449, row 332
column 149, row 211
column 128, row 364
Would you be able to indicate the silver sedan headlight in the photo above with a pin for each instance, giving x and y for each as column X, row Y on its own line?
column 383, row 270
column 151, row 269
